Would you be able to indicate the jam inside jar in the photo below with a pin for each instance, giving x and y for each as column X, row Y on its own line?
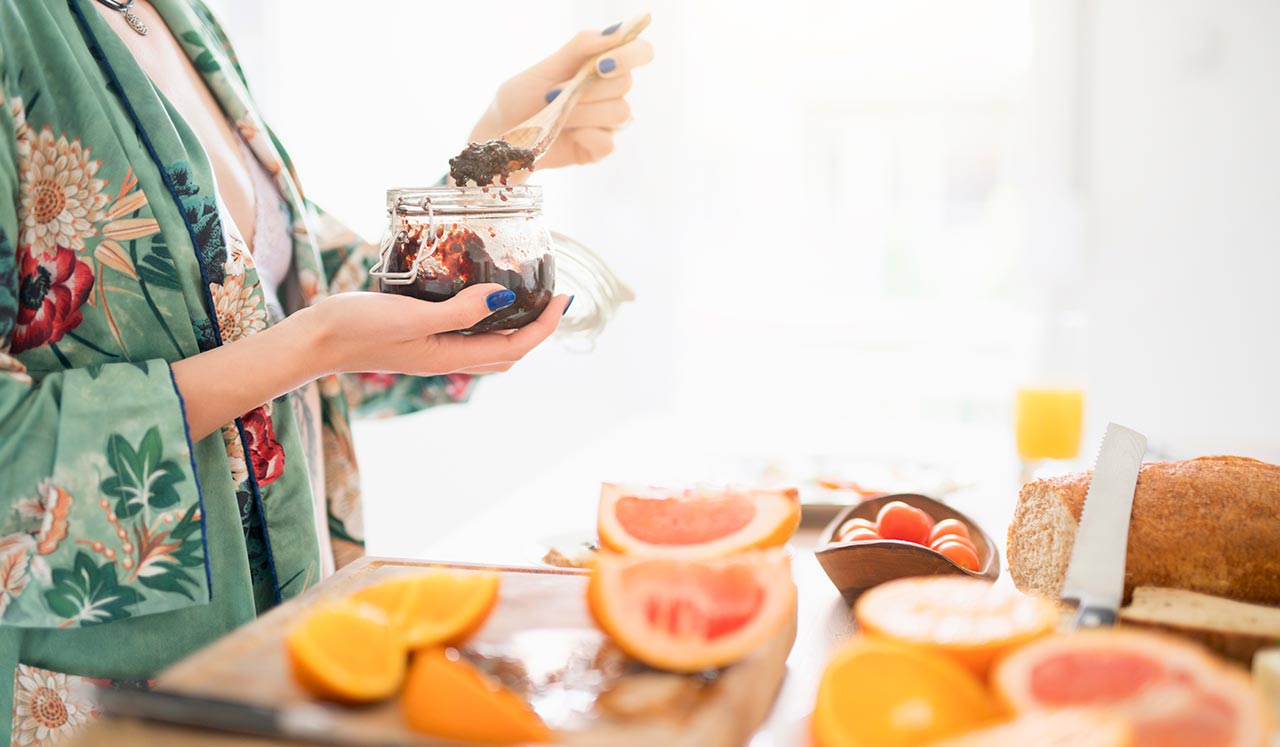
column 443, row 239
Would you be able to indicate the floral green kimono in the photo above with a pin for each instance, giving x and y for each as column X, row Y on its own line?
column 124, row 545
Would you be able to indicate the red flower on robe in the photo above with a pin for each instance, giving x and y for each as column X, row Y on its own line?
column 265, row 453
column 51, row 290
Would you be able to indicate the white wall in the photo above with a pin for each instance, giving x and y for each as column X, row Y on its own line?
column 1181, row 169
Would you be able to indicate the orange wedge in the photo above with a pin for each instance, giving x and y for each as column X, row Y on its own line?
column 435, row 607
column 448, row 698
column 347, row 652
column 879, row 693
column 966, row 618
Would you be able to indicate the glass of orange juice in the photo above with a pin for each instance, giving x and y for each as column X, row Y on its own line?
column 1049, row 422
column 1049, row 411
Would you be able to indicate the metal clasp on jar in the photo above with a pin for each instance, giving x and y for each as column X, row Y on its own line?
column 426, row 246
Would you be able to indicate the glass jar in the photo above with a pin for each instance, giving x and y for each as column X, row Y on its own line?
column 443, row 239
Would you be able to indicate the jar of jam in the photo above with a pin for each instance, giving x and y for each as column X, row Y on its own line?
column 443, row 239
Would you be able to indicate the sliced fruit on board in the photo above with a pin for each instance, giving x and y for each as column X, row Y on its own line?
column 686, row 615
column 446, row 697
column 1073, row 727
column 435, row 607
column 695, row 523
column 969, row 619
column 1172, row 692
column 881, row 693
column 348, row 652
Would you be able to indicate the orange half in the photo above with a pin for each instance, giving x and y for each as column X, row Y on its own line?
column 435, row 607
column 968, row 619
column 347, row 652
column 448, row 698
column 880, row 693
column 695, row 523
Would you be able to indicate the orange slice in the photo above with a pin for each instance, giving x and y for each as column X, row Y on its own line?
column 1082, row 727
column 695, row 523
column 689, row 615
column 448, row 698
column 966, row 618
column 435, row 607
column 880, row 693
column 347, row 652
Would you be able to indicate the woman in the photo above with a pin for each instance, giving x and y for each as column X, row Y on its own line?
column 176, row 343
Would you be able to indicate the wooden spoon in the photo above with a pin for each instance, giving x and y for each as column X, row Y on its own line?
column 538, row 132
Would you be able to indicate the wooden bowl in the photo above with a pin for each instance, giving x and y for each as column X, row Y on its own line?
column 855, row 567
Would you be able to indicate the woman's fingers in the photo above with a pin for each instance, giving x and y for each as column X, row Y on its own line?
column 564, row 62
column 603, row 89
column 589, row 144
column 470, row 351
column 618, row 62
column 463, row 311
column 603, row 114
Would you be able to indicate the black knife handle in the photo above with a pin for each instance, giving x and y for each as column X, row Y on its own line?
column 1094, row 617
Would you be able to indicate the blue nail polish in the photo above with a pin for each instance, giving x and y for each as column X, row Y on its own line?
column 607, row 65
column 611, row 29
column 551, row 95
column 500, row 299
column 566, row 306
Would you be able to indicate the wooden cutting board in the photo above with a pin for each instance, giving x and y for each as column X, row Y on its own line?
column 539, row 641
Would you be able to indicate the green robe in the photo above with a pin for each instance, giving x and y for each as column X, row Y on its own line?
column 124, row 545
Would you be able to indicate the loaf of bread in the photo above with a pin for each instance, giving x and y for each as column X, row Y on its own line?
column 1210, row 525
column 1231, row 629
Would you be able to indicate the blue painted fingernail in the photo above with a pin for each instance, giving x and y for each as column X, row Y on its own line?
column 500, row 299
column 551, row 95
column 566, row 306
column 607, row 65
column 612, row 28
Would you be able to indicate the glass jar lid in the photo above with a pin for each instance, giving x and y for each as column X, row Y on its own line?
column 491, row 200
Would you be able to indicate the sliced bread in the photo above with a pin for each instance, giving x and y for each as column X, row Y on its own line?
column 1234, row 630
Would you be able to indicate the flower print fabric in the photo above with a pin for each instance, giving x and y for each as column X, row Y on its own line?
column 53, row 288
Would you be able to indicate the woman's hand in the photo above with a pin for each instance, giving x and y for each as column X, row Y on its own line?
column 354, row 332
column 598, row 113
column 398, row 334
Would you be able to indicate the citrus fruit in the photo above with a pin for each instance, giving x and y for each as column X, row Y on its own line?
column 695, row 523
column 347, row 652
column 436, row 606
column 880, row 693
column 447, row 697
column 968, row 619
column 1074, row 727
column 686, row 615
column 1172, row 692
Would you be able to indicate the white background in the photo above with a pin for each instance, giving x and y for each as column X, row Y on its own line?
column 849, row 225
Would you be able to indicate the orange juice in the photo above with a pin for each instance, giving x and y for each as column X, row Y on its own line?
column 1049, row 422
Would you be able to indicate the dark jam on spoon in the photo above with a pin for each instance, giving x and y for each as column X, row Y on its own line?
column 482, row 162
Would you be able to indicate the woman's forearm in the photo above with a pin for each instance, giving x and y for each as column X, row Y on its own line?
column 219, row 385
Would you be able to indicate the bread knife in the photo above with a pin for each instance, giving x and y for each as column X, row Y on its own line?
column 1095, row 575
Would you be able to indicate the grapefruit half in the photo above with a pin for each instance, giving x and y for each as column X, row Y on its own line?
column 1173, row 693
column 702, row 523
column 686, row 615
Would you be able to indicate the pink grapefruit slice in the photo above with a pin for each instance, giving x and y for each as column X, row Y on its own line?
column 1173, row 693
column 686, row 615
column 695, row 523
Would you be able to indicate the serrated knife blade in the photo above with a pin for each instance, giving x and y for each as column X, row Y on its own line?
column 1095, row 575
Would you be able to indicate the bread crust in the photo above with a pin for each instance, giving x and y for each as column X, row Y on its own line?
column 1210, row 525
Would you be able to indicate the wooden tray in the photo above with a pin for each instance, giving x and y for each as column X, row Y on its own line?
column 539, row 641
